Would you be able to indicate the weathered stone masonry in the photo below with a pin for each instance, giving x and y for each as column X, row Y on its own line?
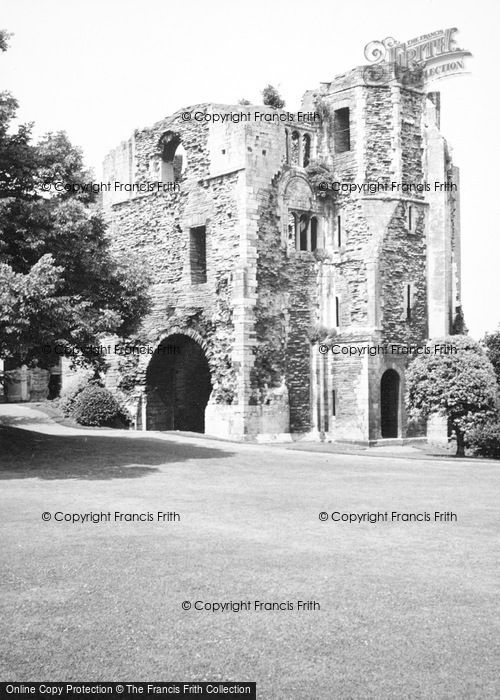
column 253, row 266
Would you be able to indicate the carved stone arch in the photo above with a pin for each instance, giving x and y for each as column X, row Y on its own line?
column 172, row 155
column 144, row 359
column 294, row 193
column 168, row 143
column 178, row 381
column 182, row 330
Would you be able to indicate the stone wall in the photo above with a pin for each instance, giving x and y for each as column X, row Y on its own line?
column 264, row 304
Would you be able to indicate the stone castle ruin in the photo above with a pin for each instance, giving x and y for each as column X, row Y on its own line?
column 261, row 257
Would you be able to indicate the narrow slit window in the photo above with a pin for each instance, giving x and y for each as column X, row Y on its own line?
column 326, row 412
column 292, row 226
column 339, row 231
column 294, row 156
column 198, row 254
column 303, row 224
column 334, row 403
column 314, row 233
column 306, row 150
column 410, row 221
column 337, row 312
column 408, row 302
column 342, row 130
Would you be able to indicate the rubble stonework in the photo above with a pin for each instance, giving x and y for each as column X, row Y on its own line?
column 253, row 268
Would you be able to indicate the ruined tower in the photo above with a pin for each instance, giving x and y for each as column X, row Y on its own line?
column 285, row 234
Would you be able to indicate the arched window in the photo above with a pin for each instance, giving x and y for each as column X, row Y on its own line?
column 173, row 157
column 306, row 150
column 294, row 156
column 303, row 231
column 389, row 404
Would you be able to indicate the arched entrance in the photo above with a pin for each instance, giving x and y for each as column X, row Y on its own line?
column 389, row 404
column 178, row 385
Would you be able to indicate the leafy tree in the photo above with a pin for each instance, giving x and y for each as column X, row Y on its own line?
column 60, row 282
column 4, row 40
column 59, row 161
column 460, row 386
column 492, row 343
column 272, row 98
column 17, row 167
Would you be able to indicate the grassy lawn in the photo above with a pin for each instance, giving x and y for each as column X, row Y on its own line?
column 408, row 610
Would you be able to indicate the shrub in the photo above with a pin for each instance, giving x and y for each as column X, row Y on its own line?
column 95, row 405
column 459, row 384
column 484, row 440
column 321, row 178
column 72, row 387
column 272, row 98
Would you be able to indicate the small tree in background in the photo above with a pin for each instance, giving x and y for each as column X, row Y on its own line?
column 272, row 98
column 460, row 386
column 492, row 343
column 4, row 39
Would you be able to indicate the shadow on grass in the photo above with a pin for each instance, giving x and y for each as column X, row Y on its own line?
column 26, row 454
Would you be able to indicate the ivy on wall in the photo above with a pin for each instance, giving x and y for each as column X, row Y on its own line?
column 321, row 177
column 215, row 326
column 278, row 276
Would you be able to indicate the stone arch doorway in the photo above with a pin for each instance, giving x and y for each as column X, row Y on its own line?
column 389, row 404
column 178, row 385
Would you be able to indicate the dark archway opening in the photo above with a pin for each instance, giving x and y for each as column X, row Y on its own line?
column 389, row 404
column 178, row 386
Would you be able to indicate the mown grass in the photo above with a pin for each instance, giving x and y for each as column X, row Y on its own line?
column 407, row 610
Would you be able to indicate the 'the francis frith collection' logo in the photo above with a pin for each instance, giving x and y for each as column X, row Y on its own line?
column 422, row 60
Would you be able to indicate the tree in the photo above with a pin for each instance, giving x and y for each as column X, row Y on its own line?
column 17, row 164
column 272, row 98
column 4, row 39
column 492, row 343
column 60, row 282
column 457, row 384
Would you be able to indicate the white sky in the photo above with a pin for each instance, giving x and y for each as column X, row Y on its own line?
column 100, row 68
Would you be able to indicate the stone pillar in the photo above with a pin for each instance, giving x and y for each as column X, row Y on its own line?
column 437, row 430
column 438, row 241
column 16, row 385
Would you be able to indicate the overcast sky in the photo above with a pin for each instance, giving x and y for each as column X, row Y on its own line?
column 100, row 68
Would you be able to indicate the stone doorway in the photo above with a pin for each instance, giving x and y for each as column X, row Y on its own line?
column 389, row 404
column 178, row 386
